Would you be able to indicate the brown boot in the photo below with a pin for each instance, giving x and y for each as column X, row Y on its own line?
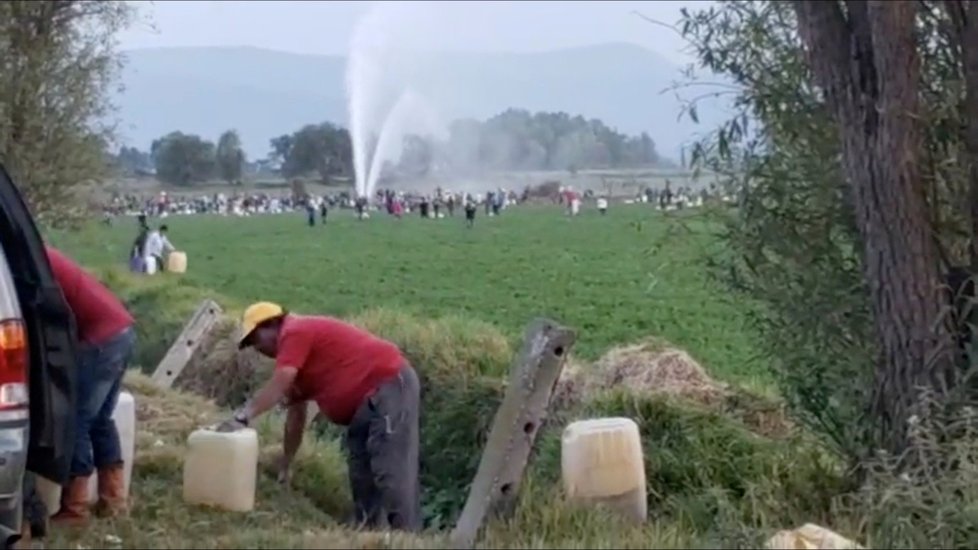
column 25, row 536
column 112, row 492
column 74, row 503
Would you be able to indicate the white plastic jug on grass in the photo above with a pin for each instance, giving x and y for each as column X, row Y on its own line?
column 221, row 469
column 602, row 462
column 176, row 262
column 124, row 417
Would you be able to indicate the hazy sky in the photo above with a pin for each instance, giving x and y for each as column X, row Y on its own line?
column 326, row 27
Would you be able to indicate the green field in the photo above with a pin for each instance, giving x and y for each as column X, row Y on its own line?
column 724, row 470
column 617, row 279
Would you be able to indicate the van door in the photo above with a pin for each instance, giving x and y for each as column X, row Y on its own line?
column 51, row 335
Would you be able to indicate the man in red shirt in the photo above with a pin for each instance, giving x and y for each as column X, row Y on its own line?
column 359, row 381
column 106, row 341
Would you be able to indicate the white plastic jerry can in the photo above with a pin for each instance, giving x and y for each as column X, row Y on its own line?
column 602, row 462
column 811, row 537
column 49, row 493
column 124, row 417
column 221, row 469
column 176, row 262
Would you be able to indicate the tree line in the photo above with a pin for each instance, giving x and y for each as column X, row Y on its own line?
column 512, row 140
column 519, row 140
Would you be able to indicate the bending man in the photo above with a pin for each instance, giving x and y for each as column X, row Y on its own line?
column 359, row 381
column 107, row 340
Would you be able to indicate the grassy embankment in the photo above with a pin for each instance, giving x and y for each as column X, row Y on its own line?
column 724, row 466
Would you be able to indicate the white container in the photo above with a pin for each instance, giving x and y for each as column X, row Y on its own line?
column 811, row 537
column 602, row 462
column 49, row 492
column 150, row 264
column 176, row 262
column 221, row 469
column 124, row 417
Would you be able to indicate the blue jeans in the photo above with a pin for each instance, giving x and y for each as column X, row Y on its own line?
column 100, row 371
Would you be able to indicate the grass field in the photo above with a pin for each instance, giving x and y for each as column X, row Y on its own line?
column 632, row 274
column 721, row 472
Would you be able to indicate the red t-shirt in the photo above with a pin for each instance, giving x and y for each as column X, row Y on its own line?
column 99, row 315
column 339, row 364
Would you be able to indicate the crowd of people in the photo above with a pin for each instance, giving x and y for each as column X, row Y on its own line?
column 163, row 204
column 436, row 205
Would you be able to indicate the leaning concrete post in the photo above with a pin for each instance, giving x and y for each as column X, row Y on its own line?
column 531, row 382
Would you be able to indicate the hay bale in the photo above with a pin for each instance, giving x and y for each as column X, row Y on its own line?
column 657, row 368
column 643, row 369
column 650, row 368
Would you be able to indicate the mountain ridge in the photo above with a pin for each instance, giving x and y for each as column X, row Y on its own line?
column 264, row 93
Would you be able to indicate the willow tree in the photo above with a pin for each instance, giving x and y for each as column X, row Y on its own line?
column 852, row 196
column 864, row 56
column 57, row 72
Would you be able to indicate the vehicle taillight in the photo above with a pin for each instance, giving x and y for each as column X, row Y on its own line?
column 13, row 365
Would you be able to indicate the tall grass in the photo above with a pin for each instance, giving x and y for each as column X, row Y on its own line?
column 715, row 477
column 711, row 479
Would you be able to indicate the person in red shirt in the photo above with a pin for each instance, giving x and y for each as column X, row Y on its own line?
column 357, row 380
column 106, row 342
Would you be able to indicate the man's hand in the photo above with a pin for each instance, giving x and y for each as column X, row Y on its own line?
column 231, row 425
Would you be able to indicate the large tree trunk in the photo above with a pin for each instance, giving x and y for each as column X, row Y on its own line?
column 865, row 58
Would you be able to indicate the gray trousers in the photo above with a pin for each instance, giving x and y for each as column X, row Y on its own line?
column 383, row 446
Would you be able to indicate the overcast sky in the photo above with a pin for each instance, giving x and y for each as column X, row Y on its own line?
column 326, row 27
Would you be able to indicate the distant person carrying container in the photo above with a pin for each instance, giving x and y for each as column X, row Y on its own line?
column 156, row 246
column 107, row 340
column 359, row 381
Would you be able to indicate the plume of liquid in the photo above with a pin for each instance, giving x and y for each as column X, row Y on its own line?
column 362, row 80
column 411, row 114
column 382, row 80
column 371, row 73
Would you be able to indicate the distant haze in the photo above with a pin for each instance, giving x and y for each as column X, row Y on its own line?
column 325, row 28
column 267, row 68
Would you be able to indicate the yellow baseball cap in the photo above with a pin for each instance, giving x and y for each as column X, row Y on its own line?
column 255, row 315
